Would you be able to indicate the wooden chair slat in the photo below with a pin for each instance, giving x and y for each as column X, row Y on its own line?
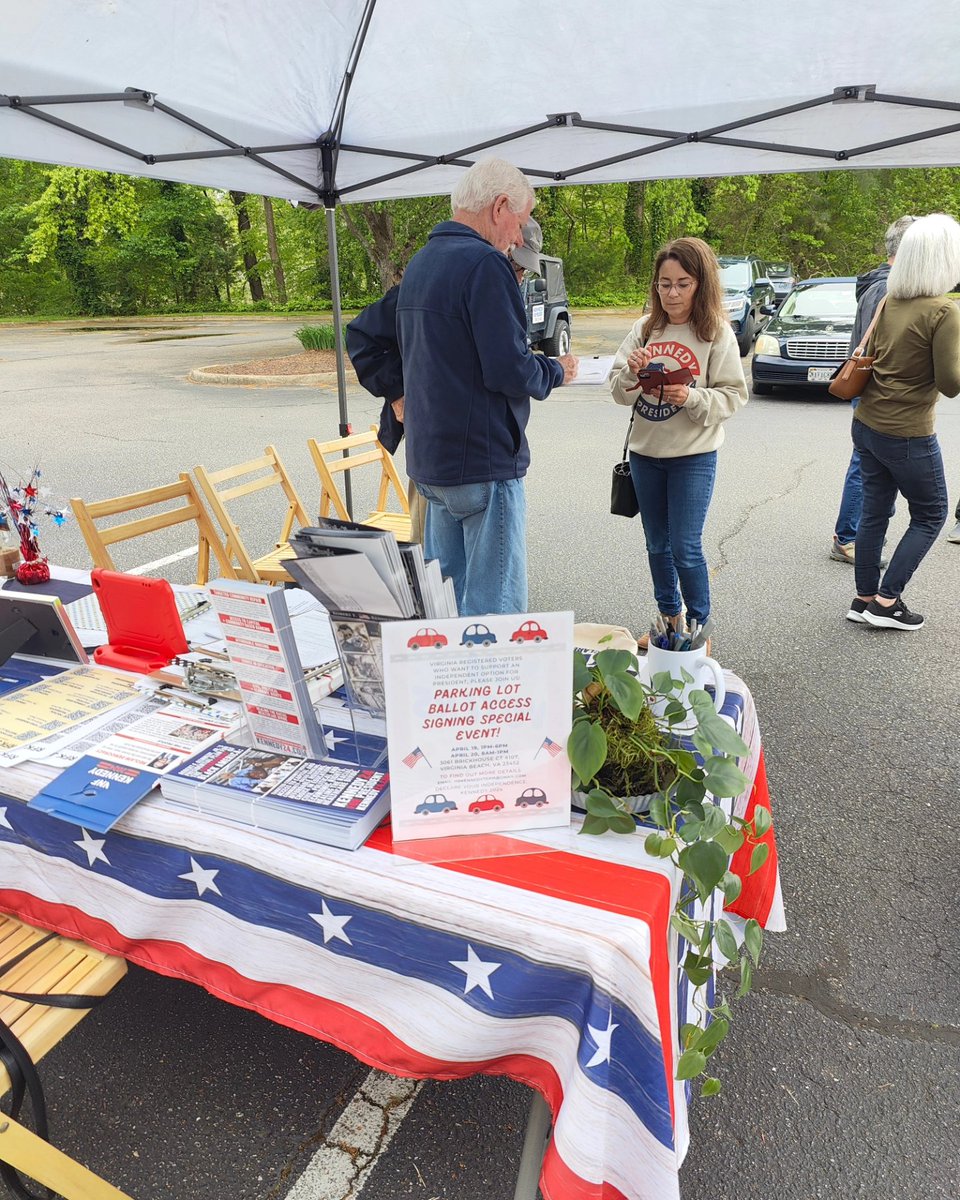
column 329, row 460
column 190, row 512
column 266, row 568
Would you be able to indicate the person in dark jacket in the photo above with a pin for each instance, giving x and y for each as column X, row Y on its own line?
column 374, row 351
column 871, row 289
column 468, row 379
column 371, row 339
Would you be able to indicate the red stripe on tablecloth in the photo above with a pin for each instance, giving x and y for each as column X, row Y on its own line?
column 610, row 887
column 558, row 1182
column 759, row 889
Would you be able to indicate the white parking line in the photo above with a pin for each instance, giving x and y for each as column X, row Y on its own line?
column 162, row 562
column 362, row 1133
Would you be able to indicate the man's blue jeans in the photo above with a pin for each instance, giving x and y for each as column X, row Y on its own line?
column 851, row 499
column 914, row 468
column 674, row 495
column 478, row 531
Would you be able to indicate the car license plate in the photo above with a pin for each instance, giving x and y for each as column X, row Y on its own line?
column 820, row 374
column 537, row 313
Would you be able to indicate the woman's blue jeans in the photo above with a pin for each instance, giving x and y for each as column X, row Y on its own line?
column 914, row 468
column 674, row 495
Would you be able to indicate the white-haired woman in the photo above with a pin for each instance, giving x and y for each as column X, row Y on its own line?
column 917, row 347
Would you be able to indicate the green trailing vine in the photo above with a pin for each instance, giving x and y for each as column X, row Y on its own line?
column 617, row 748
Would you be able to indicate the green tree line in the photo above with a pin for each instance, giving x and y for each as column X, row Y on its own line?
column 76, row 242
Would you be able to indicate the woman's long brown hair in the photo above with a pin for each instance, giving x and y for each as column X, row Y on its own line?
column 699, row 261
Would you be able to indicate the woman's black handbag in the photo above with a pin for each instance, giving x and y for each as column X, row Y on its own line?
column 623, row 496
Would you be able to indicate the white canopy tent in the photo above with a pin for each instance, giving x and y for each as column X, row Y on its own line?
column 334, row 101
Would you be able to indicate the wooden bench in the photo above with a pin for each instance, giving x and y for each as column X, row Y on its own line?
column 36, row 964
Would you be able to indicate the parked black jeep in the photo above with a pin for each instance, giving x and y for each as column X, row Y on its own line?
column 548, row 312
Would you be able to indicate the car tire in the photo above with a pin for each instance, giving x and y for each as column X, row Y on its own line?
column 559, row 344
column 745, row 340
column 438, row 645
column 762, row 389
column 415, row 646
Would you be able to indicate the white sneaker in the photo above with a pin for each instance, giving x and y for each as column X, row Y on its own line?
column 954, row 534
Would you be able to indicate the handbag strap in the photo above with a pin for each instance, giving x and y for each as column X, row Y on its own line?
column 870, row 328
column 633, row 410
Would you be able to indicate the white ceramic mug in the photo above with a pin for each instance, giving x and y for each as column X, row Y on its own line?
column 696, row 663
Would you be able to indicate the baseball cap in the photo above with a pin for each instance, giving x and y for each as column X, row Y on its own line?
column 528, row 255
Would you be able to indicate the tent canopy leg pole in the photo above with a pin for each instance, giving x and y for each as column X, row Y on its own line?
column 345, row 429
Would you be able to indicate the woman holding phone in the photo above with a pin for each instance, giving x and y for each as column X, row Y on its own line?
column 680, row 366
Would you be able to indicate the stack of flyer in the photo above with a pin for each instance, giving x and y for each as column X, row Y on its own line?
column 260, row 644
column 326, row 801
column 364, row 577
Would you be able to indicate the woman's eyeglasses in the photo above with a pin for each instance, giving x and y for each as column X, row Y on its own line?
column 664, row 288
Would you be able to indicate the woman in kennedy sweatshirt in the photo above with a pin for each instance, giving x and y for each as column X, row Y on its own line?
column 678, row 426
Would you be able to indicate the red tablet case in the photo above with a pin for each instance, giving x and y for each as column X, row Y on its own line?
column 143, row 624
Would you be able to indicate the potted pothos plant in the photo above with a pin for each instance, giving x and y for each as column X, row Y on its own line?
column 620, row 752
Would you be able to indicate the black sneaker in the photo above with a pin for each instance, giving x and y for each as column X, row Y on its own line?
column 857, row 607
column 891, row 616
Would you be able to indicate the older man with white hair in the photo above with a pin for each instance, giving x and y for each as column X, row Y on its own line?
column 468, row 379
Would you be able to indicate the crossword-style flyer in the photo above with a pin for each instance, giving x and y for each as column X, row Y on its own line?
column 478, row 715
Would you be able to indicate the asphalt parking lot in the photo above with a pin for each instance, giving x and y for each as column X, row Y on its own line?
column 842, row 1072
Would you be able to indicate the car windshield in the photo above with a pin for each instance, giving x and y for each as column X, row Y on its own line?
column 735, row 276
column 821, row 301
column 779, row 270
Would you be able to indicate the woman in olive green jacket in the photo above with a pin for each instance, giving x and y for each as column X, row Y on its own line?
column 917, row 347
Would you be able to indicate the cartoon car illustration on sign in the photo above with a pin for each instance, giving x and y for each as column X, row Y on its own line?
column 435, row 804
column 486, row 804
column 529, row 631
column 477, row 635
column 532, row 796
column 424, row 638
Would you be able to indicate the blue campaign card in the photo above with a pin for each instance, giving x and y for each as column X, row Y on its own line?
column 18, row 672
column 94, row 793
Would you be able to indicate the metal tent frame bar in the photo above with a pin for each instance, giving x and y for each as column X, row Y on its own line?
column 329, row 144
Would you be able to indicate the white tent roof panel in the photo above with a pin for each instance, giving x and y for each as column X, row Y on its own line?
column 433, row 78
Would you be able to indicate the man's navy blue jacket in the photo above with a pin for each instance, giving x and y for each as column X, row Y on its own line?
column 468, row 371
column 371, row 339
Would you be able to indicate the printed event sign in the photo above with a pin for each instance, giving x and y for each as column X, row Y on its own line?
column 478, row 715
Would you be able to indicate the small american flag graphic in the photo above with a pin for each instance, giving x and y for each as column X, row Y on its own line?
column 415, row 755
column 552, row 748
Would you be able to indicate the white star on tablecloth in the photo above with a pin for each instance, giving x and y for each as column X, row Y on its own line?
column 93, row 848
column 3, row 819
column 332, row 926
column 202, row 877
column 477, row 972
column 603, row 1038
column 330, row 737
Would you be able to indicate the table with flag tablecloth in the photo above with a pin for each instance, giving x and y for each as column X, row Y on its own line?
column 545, row 955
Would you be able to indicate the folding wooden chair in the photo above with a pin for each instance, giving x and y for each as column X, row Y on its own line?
column 268, row 568
column 329, row 460
column 191, row 510
column 36, row 969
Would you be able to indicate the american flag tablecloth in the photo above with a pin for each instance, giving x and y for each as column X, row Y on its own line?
column 547, row 956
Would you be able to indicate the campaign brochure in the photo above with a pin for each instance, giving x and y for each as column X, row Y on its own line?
column 94, row 792
column 336, row 803
column 263, row 654
column 478, row 716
